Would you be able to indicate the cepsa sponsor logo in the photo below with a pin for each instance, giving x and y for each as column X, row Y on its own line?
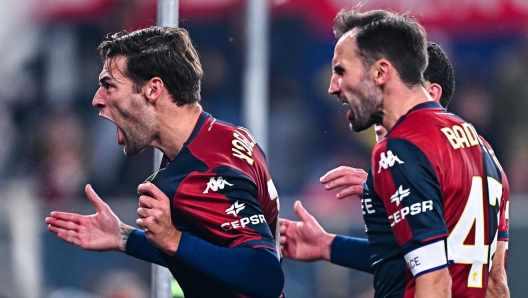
column 414, row 209
column 241, row 223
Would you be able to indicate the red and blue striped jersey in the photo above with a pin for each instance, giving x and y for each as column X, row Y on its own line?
column 434, row 197
column 221, row 192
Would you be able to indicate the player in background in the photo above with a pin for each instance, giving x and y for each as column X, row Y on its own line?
column 420, row 185
column 307, row 241
column 434, row 190
column 210, row 214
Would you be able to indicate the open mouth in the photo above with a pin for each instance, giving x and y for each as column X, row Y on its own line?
column 120, row 134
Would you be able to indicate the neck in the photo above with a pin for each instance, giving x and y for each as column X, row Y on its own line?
column 398, row 102
column 176, row 125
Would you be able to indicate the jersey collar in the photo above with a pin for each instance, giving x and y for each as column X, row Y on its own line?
column 421, row 106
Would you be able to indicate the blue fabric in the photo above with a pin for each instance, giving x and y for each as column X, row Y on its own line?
column 139, row 247
column 351, row 252
column 239, row 268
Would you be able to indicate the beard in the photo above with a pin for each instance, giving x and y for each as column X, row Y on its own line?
column 133, row 147
column 139, row 131
column 368, row 108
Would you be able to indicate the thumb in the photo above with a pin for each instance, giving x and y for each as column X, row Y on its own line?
column 94, row 198
column 301, row 212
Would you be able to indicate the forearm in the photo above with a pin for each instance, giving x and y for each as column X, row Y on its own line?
column 497, row 281
column 252, row 272
column 435, row 284
column 351, row 252
column 139, row 247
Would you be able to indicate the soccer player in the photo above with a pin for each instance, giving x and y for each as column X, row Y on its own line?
column 434, row 191
column 210, row 214
column 307, row 241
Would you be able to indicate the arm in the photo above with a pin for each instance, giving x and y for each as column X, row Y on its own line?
column 497, row 281
column 211, row 260
column 351, row 252
column 102, row 231
column 306, row 240
column 435, row 284
column 345, row 176
column 246, row 267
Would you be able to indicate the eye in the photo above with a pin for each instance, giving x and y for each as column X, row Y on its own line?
column 339, row 70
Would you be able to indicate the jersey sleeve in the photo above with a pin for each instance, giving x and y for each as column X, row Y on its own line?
column 503, row 225
column 252, row 272
column 504, row 210
column 223, row 204
column 351, row 252
column 407, row 183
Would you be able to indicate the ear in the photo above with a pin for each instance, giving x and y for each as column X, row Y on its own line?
column 153, row 89
column 435, row 91
column 382, row 70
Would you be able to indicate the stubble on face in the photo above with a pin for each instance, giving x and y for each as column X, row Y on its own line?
column 138, row 126
column 364, row 98
column 132, row 115
column 366, row 106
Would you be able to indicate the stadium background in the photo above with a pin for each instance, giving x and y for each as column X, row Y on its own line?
column 52, row 142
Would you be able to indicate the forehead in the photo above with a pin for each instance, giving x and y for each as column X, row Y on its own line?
column 346, row 47
column 114, row 68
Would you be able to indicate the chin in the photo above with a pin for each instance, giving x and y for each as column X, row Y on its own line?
column 131, row 151
column 359, row 126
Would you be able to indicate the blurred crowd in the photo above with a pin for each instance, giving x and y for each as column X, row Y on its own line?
column 53, row 141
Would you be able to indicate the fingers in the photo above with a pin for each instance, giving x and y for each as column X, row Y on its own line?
column 95, row 199
column 146, row 201
column 343, row 171
column 350, row 191
column 64, row 216
column 61, row 224
column 140, row 222
column 333, row 174
column 152, row 190
column 301, row 212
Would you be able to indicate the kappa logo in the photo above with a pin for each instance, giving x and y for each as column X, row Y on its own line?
column 399, row 195
column 215, row 184
column 235, row 208
column 387, row 161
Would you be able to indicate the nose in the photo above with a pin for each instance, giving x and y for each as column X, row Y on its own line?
column 334, row 85
column 98, row 100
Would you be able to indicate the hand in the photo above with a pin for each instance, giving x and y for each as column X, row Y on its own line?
column 345, row 176
column 155, row 218
column 304, row 240
column 100, row 231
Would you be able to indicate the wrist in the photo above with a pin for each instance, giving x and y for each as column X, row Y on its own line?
column 326, row 246
column 126, row 230
column 170, row 246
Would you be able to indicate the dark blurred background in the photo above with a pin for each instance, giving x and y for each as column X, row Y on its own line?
column 53, row 142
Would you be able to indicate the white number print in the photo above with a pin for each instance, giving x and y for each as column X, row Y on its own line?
column 475, row 254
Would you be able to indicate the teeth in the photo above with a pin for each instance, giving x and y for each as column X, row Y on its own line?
column 345, row 104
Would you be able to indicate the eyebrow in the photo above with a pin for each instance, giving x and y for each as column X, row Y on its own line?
column 338, row 68
column 105, row 79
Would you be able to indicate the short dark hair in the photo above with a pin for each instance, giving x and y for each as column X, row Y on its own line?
column 164, row 52
column 440, row 71
column 398, row 38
